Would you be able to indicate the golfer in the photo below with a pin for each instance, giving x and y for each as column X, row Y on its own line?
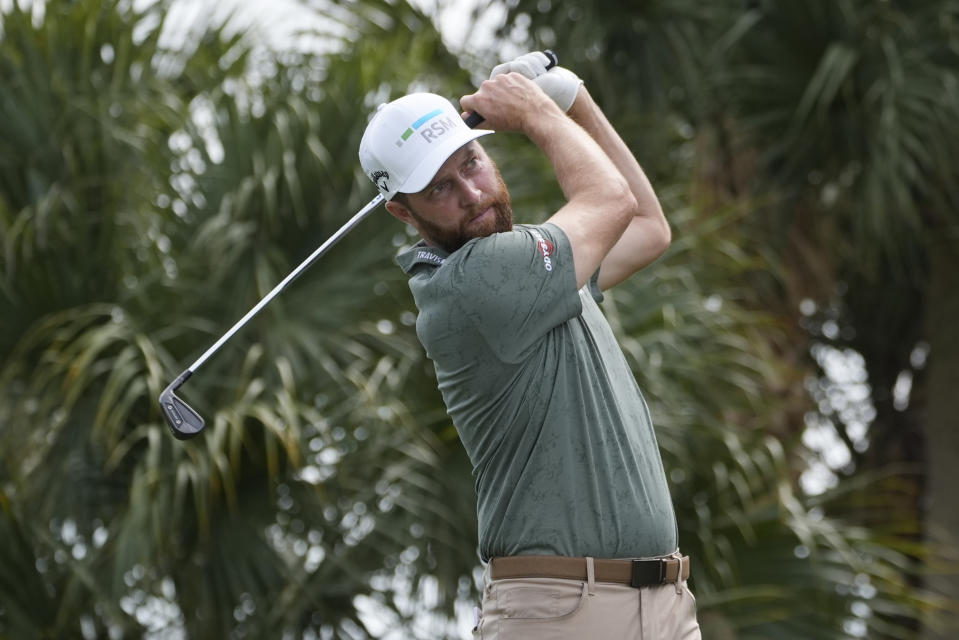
column 576, row 524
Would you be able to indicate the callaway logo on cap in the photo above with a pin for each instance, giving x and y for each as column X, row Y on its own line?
column 409, row 139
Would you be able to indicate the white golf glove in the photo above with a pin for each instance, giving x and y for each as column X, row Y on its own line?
column 558, row 83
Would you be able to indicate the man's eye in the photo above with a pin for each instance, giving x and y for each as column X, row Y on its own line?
column 440, row 188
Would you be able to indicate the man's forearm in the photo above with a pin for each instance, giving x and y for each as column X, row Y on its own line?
column 648, row 234
column 600, row 205
column 584, row 169
column 588, row 115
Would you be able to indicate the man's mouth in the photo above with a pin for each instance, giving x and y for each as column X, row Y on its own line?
column 482, row 214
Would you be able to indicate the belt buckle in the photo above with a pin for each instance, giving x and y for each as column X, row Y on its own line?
column 648, row 572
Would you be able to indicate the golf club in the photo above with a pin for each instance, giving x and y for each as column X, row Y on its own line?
column 186, row 423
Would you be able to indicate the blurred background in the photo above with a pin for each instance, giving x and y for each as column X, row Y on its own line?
column 164, row 164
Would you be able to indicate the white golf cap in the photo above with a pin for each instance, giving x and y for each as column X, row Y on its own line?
column 409, row 139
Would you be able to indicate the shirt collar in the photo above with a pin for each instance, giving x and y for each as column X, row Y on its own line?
column 421, row 253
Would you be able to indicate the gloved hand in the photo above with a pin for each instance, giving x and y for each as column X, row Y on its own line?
column 558, row 83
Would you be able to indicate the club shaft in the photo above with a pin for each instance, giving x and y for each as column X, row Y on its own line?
column 303, row 266
column 473, row 120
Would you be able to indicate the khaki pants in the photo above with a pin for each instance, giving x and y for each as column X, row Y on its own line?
column 534, row 608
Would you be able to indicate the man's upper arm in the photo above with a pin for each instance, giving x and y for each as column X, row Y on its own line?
column 644, row 240
column 592, row 237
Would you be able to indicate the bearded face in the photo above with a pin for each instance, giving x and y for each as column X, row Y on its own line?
column 467, row 199
column 492, row 215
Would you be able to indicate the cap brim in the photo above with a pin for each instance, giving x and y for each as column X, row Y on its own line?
column 422, row 175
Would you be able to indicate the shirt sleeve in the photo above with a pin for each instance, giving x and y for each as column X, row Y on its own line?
column 594, row 289
column 517, row 286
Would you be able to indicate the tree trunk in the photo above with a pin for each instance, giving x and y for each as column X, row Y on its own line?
column 941, row 513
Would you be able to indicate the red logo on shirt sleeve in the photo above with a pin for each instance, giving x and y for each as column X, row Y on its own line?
column 545, row 247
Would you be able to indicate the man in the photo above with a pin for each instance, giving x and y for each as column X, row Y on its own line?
column 575, row 519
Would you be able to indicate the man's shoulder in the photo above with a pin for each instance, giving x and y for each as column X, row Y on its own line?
column 494, row 260
column 522, row 237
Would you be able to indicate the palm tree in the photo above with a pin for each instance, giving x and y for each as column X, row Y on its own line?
column 856, row 140
column 771, row 112
column 148, row 198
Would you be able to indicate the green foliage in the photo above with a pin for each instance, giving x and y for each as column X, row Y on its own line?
column 864, row 125
column 149, row 197
column 821, row 131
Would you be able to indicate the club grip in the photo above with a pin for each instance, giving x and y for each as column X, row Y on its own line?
column 473, row 119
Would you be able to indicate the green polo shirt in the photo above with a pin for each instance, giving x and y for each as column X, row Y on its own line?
column 564, row 455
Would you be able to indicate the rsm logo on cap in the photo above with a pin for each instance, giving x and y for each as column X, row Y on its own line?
column 431, row 132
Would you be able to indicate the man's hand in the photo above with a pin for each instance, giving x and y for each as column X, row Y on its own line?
column 510, row 102
column 560, row 84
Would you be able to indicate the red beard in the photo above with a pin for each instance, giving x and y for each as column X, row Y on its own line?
column 499, row 220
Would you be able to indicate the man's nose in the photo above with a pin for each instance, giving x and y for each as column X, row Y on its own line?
column 469, row 193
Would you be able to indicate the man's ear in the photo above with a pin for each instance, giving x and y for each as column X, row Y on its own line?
column 399, row 211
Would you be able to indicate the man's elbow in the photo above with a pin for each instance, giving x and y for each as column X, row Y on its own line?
column 665, row 234
column 626, row 204
column 658, row 233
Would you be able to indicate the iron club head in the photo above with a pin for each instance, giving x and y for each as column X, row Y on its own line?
column 184, row 422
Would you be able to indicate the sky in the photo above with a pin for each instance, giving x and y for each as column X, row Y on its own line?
column 276, row 20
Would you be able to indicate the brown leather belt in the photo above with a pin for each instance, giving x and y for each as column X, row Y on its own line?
column 636, row 573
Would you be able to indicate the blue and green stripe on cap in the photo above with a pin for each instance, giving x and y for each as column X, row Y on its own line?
column 416, row 125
